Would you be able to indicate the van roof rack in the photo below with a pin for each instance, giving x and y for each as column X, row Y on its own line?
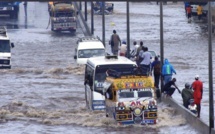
column 89, row 38
column 111, row 57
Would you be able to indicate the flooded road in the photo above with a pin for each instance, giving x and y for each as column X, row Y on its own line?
column 43, row 92
column 185, row 44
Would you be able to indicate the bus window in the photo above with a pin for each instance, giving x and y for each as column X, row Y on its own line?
column 144, row 94
column 88, row 76
column 123, row 69
column 126, row 95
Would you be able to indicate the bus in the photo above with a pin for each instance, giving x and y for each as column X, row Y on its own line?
column 96, row 73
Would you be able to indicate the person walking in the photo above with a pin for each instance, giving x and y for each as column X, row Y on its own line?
column 199, row 12
column 146, row 61
column 134, row 51
column 189, row 12
column 115, row 42
column 139, row 50
column 168, row 90
column 197, row 95
column 156, row 68
column 167, row 71
column 123, row 49
column 186, row 95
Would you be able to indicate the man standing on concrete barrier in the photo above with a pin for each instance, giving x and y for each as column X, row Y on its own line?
column 115, row 42
column 197, row 95
column 187, row 94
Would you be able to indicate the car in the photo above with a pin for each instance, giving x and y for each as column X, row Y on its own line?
column 88, row 47
column 153, row 53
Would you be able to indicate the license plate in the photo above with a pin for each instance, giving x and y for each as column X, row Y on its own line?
column 148, row 121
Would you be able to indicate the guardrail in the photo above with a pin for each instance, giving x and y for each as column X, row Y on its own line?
column 195, row 122
column 82, row 22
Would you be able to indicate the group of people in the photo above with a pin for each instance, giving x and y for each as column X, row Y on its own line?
column 142, row 57
column 188, row 10
column 196, row 94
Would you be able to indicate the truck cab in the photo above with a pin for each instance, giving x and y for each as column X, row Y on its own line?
column 130, row 99
column 5, row 49
column 63, row 17
column 10, row 8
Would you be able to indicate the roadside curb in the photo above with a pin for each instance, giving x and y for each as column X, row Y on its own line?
column 195, row 122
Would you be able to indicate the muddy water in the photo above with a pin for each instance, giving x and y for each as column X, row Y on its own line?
column 43, row 92
column 185, row 44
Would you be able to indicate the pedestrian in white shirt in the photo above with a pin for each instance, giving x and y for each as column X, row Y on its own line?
column 134, row 51
column 123, row 49
column 146, row 61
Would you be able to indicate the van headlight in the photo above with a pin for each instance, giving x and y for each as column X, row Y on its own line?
column 137, row 111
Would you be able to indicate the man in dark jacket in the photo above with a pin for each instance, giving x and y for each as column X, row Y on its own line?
column 156, row 68
column 115, row 42
column 170, row 90
column 187, row 94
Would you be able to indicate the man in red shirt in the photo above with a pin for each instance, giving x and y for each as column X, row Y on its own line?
column 189, row 11
column 197, row 95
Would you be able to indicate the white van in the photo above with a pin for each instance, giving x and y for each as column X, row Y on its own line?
column 88, row 47
column 5, row 49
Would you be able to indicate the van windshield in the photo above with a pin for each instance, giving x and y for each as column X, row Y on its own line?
column 64, row 14
column 87, row 53
column 134, row 94
column 4, row 46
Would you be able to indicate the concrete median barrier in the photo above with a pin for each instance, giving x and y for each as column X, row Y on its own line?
column 191, row 118
column 82, row 22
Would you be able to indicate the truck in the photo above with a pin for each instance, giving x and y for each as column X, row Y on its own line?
column 5, row 49
column 63, row 17
column 97, row 7
column 10, row 8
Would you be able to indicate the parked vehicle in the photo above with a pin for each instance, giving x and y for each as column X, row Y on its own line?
column 153, row 53
column 63, row 17
column 97, row 7
column 10, row 8
column 95, row 75
column 131, row 99
column 5, row 49
column 88, row 47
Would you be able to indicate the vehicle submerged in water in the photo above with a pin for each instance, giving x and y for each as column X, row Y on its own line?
column 131, row 99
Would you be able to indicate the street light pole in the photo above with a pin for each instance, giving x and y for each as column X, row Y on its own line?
column 128, row 31
column 103, row 23
column 210, row 64
column 161, row 39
